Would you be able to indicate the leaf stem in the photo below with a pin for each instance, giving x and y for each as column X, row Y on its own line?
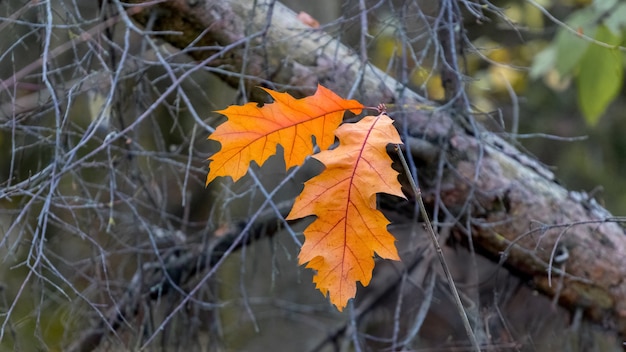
column 442, row 260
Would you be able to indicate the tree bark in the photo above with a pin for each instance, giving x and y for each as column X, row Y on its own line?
column 568, row 245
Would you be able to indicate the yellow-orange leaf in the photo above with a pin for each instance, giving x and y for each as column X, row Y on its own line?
column 341, row 242
column 252, row 132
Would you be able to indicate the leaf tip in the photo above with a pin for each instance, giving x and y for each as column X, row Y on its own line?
column 209, row 179
column 339, row 306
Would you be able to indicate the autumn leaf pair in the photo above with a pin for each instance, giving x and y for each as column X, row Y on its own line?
column 348, row 229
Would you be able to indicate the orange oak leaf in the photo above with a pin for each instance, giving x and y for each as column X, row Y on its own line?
column 252, row 133
column 341, row 242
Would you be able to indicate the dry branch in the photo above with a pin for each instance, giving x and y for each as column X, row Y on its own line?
column 516, row 210
column 182, row 267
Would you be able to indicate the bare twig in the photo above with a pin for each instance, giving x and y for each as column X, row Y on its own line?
column 442, row 260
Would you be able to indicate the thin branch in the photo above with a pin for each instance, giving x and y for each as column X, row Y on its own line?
column 442, row 260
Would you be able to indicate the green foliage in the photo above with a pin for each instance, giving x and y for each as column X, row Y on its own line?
column 598, row 70
column 570, row 47
column 616, row 20
column 600, row 75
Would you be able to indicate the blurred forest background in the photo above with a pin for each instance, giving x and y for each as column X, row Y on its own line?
column 83, row 219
